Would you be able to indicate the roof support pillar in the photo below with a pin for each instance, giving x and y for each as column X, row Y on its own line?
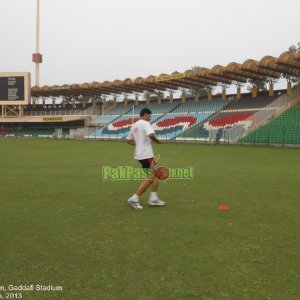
column 238, row 90
column 254, row 91
column 289, row 88
column 136, row 101
column 238, row 93
column 209, row 95
column 94, row 102
column 271, row 89
column 224, row 86
column 148, row 99
column 159, row 99
column 183, row 97
column 223, row 93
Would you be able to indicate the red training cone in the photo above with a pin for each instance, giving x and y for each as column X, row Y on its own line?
column 223, row 207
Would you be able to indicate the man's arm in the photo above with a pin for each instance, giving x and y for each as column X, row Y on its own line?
column 130, row 138
column 154, row 138
column 131, row 142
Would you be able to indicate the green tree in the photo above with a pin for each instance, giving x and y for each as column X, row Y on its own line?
column 295, row 48
column 261, row 85
column 202, row 90
column 293, row 79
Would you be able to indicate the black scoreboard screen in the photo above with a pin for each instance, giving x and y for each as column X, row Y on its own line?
column 14, row 88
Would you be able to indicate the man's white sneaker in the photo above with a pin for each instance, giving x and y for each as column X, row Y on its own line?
column 135, row 204
column 156, row 202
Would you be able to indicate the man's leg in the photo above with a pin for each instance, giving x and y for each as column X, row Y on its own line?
column 146, row 163
column 154, row 199
column 154, row 186
column 134, row 200
column 143, row 187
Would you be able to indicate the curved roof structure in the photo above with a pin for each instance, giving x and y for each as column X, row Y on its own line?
column 288, row 63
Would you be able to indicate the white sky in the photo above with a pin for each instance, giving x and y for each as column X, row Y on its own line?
column 98, row 40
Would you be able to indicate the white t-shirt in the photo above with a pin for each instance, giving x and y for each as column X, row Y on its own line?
column 139, row 133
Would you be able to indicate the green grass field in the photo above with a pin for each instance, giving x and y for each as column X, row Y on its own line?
column 61, row 225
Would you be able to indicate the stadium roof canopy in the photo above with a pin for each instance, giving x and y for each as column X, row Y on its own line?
column 268, row 68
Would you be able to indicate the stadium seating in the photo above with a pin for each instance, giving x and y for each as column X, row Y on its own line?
column 169, row 127
column 103, row 120
column 168, row 119
column 248, row 103
column 122, row 113
column 119, row 109
column 58, row 109
column 156, row 108
column 172, row 125
column 190, row 106
column 4, row 132
column 190, row 120
column 283, row 130
column 235, row 113
column 38, row 133
column 228, row 120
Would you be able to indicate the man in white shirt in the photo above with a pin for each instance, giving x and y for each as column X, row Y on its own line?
column 141, row 134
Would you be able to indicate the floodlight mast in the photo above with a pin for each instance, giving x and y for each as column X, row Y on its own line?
column 37, row 57
column 37, row 42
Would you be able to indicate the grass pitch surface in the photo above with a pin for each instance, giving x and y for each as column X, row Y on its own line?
column 61, row 225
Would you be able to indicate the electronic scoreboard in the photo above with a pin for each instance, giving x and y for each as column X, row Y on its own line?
column 15, row 88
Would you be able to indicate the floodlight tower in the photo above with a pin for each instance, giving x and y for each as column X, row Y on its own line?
column 37, row 57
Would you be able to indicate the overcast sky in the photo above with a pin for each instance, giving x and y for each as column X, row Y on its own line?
column 98, row 40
